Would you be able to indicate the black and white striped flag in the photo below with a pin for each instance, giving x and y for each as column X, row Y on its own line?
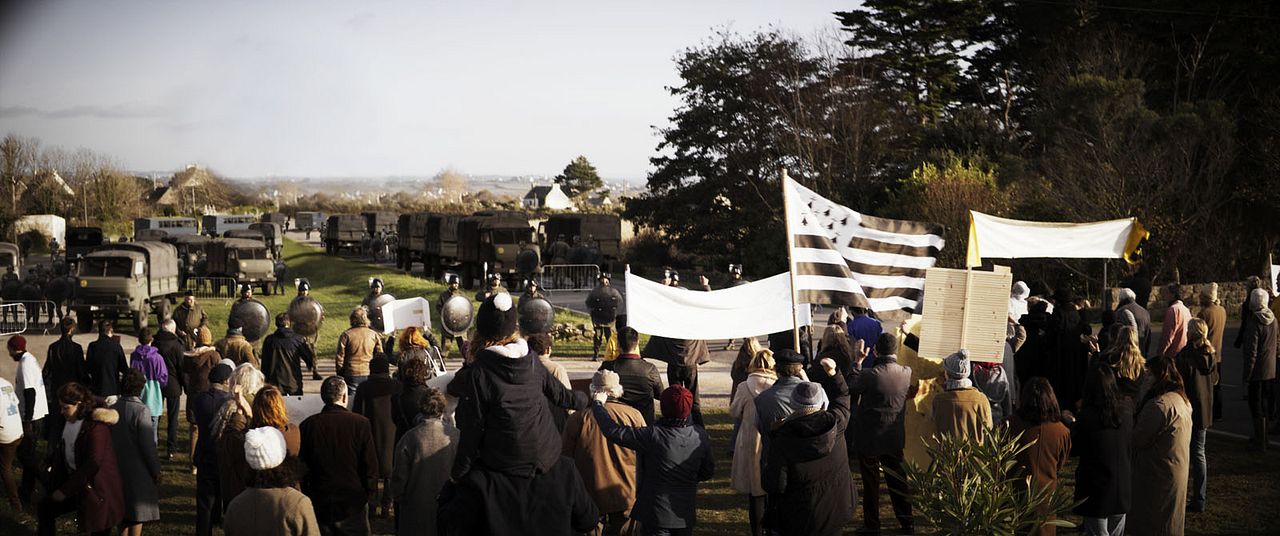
column 841, row 257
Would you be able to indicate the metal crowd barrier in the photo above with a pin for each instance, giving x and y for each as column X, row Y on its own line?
column 568, row 277
column 21, row 316
column 212, row 287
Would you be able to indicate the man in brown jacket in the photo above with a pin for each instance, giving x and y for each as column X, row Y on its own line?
column 1215, row 317
column 356, row 347
column 236, row 348
column 189, row 316
column 608, row 470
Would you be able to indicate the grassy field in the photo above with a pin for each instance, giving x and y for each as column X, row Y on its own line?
column 339, row 284
column 1243, row 489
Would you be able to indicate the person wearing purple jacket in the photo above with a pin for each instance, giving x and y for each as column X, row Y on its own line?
column 864, row 326
column 147, row 360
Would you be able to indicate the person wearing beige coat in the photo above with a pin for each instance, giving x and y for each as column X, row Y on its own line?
column 745, row 476
column 1161, row 456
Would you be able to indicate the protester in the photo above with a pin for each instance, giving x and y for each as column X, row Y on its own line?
column 105, row 363
column 683, row 357
column 992, row 380
column 204, row 407
column 1198, row 365
column 490, row 502
column 774, row 404
column 283, row 354
column 10, row 440
column 608, row 470
column 864, row 327
column 1038, row 425
column 1131, row 368
column 271, row 505
column 1173, row 333
column 414, row 346
column 1215, row 319
column 745, row 475
column 423, row 458
column 738, row 371
column 675, row 455
column 356, row 347
column 63, row 364
column 1252, row 283
column 34, row 407
column 85, row 475
column 1102, row 438
column 1018, row 295
column 961, row 409
column 540, row 344
column 806, row 474
column 147, row 360
column 342, row 465
column 405, row 405
column 171, row 349
column 504, row 413
column 234, row 347
column 879, row 432
column 269, row 410
column 1067, row 328
column 1141, row 318
column 375, row 401
column 229, row 426
column 836, row 346
column 1259, row 349
column 196, row 365
column 1161, row 448
column 134, row 443
column 1035, row 356
column 641, row 383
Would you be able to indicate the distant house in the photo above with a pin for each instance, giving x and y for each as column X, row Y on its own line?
column 601, row 200
column 546, row 197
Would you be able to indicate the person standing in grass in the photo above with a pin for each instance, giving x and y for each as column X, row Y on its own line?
column 1215, row 319
column 1198, row 365
column 608, row 469
column 375, row 400
column 135, row 446
column 356, row 347
column 961, row 409
column 105, row 362
column 1038, row 421
column 147, row 360
column 423, row 458
column 1103, row 438
column 745, row 476
column 271, row 505
column 879, row 432
column 171, row 348
column 1161, row 452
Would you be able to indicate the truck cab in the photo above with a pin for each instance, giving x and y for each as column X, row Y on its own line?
column 244, row 260
column 343, row 231
column 126, row 279
column 272, row 236
column 505, row 243
column 191, row 249
column 82, row 240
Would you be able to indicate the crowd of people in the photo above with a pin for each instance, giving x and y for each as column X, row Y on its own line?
column 514, row 449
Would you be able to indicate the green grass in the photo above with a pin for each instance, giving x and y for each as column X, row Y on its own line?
column 1243, row 489
column 339, row 284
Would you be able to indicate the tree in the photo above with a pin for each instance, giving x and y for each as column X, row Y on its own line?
column 18, row 161
column 452, row 183
column 579, row 177
column 945, row 194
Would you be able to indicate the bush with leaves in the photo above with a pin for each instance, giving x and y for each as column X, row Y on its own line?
column 973, row 487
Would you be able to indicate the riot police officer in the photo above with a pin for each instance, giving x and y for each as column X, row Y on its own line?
column 603, row 303
column 448, row 292
column 494, row 287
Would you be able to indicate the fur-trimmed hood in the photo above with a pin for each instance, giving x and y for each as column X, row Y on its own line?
column 105, row 415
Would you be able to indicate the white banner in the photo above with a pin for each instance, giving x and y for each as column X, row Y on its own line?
column 401, row 314
column 753, row 309
column 1275, row 273
column 991, row 237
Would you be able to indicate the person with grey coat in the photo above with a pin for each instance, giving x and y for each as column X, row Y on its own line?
column 1259, row 349
column 423, row 458
column 1141, row 318
column 879, row 431
column 134, row 442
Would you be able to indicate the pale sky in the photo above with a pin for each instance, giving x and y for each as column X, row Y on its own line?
column 369, row 88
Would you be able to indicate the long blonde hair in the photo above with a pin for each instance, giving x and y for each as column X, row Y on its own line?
column 1198, row 336
column 1129, row 363
column 762, row 363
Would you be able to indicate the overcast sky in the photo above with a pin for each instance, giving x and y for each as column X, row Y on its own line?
column 320, row 88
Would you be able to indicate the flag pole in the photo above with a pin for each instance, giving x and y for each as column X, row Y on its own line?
column 791, row 263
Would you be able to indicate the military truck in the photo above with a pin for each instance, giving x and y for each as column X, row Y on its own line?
column 411, row 231
column 384, row 222
column 216, row 225
column 604, row 229
column 343, row 231
column 278, row 218
column 247, row 261
column 308, row 221
column 10, row 258
column 82, row 240
column 170, row 226
column 272, row 235
column 503, row 242
column 130, row 279
column 192, row 255
column 149, row 235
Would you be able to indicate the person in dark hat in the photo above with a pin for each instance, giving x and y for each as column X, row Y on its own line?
column 675, row 454
column 246, row 292
column 492, row 287
column 304, row 287
column 204, row 406
column 879, row 431
column 370, row 303
column 775, row 404
column 603, row 298
column 505, row 395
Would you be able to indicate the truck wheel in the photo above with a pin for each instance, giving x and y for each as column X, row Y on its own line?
column 266, row 289
column 139, row 321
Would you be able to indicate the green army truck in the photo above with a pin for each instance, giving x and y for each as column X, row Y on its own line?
column 599, row 233
column 129, row 279
column 343, row 232
column 411, row 231
column 503, row 242
column 247, row 261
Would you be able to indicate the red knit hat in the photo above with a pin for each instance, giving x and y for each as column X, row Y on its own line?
column 677, row 402
column 17, row 344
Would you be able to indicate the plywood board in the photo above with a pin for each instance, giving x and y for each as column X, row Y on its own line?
column 401, row 314
column 965, row 309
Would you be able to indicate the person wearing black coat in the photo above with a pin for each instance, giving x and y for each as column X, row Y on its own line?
column 488, row 502
column 504, row 398
column 204, row 406
column 1034, row 357
column 283, row 353
column 105, row 364
column 342, row 465
column 1102, row 437
column 1141, row 318
column 375, row 400
column 807, row 473
column 63, row 364
column 171, row 349
column 641, row 383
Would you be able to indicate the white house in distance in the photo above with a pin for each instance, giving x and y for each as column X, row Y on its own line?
column 546, row 198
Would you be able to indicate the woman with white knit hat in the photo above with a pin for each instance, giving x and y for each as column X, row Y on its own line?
column 272, row 504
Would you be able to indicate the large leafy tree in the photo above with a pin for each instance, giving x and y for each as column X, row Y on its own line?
column 579, row 177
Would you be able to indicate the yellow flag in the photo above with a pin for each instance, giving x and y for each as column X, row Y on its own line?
column 973, row 260
column 1133, row 247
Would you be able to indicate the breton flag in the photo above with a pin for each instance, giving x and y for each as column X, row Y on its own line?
column 841, row 257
